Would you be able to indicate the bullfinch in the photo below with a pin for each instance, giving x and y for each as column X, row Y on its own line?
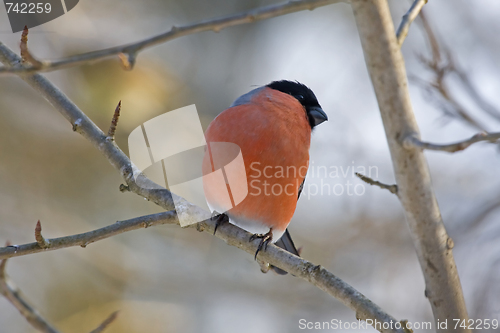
column 272, row 127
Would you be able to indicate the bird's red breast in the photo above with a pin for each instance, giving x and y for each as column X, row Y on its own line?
column 273, row 132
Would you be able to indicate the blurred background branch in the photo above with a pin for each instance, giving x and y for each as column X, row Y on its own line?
column 108, row 321
column 15, row 297
column 17, row 300
column 442, row 64
column 128, row 53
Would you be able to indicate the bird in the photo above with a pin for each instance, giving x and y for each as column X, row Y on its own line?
column 272, row 126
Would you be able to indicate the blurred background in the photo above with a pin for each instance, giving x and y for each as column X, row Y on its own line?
column 166, row 279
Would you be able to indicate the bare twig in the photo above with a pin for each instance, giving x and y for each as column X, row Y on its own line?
column 474, row 94
column 316, row 275
column 442, row 64
column 413, row 142
column 14, row 296
column 39, row 238
column 27, row 311
column 407, row 20
column 25, row 53
column 114, row 121
column 388, row 75
column 391, row 188
column 480, row 216
column 106, row 322
column 443, row 99
column 83, row 125
column 87, row 238
column 129, row 51
column 485, row 294
column 232, row 235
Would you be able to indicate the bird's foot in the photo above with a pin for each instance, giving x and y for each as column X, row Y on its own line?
column 219, row 219
column 264, row 240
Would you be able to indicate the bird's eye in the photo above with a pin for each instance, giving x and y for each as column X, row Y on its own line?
column 299, row 97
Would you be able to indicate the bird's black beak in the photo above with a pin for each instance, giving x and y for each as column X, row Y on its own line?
column 316, row 116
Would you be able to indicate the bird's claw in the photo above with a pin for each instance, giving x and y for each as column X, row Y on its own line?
column 219, row 219
column 265, row 239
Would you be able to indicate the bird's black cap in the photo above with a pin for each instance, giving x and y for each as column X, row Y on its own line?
column 305, row 96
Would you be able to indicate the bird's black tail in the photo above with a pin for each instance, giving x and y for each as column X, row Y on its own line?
column 286, row 243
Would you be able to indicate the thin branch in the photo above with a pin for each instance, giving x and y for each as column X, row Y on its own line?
column 480, row 216
column 232, row 235
column 474, row 94
column 87, row 238
column 442, row 64
column 114, row 121
column 407, row 20
column 136, row 182
column 413, row 142
column 106, row 322
column 443, row 99
column 15, row 297
column 391, row 188
column 299, row 267
column 128, row 52
column 385, row 64
column 436, row 53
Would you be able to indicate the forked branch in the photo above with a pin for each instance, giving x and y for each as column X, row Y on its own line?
column 15, row 297
column 407, row 20
column 128, row 53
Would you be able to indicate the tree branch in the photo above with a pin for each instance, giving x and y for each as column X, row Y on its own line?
column 87, row 238
column 387, row 71
column 27, row 311
column 442, row 64
column 413, row 142
column 15, row 297
column 232, row 235
column 391, row 188
column 106, row 322
column 128, row 53
column 407, row 20
column 136, row 182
